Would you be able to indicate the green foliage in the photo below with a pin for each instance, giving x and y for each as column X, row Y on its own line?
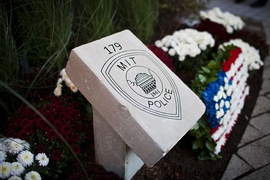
column 203, row 143
column 45, row 30
column 138, row 16
column 9, row 59
column 193, row 64
column 92, row 20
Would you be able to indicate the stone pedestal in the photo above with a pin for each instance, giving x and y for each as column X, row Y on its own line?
column 141, row 108
column 112, row 152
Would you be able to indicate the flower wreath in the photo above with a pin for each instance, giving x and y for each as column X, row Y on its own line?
column 222, row 87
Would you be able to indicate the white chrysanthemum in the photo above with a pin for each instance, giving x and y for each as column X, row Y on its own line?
column 158, row 43
column 73, row 88
column 3, row 156
column 26, row 158
column 229, row 21
column 59, row 81
column 43, row 160
column 14, row 178
column 15, row 145
column 57, row 91
column 251, row 56
column 63, row 74
column 172, row 52
column 4, row 144
column 16, row 169
column 185, row 42
column 26, row 146
column 5, row 169
column 32, row 175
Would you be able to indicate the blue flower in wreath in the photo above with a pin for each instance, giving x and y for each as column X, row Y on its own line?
column 217, row 96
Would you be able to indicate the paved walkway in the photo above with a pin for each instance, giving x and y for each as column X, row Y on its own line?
column 252, row 160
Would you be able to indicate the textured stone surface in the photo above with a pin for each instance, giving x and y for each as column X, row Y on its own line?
column 261, row 174
column 262, row 123
column 257, row 154
column 262, row 106
column 139, row 97
column 235, row 168
column 265, row 85
column 249, row 135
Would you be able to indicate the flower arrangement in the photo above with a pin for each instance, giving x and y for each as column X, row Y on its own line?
column 229, row 21
column 65, row 117
column 251, row 55
column 64, row 78
column 188, row 45
column 217, row 97
column 238, row 74
column 162, row 56
column 17, row 161
column 222, row 85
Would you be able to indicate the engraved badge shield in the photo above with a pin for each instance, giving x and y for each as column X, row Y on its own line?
column 152, row 90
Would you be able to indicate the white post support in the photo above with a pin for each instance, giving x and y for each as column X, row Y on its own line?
column 111, row 151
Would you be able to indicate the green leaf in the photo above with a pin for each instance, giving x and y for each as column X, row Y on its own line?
column 212, row 79
column 206, row 70
column 200, row 143
column 198, row 134
column 212, row 65
column 218, row 156
column 202, row 78
column 196, row 127
column 210, row 145
column 211, row 154
column 195, row 145
column 203, row 123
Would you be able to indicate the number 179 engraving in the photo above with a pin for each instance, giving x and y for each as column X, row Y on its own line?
column 111, row 48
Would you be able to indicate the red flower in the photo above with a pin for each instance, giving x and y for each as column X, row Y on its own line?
column 74, row 138
column 162, row 56
column 56, row 155
column 66, row 118
column 11, row 133
column 66, row 136
column 66, row 129
column 29, row 129
column 25, row 111
column 77, row 126
column 24, row 122
column 51, row 134
column 76, row 149
column 49, row 116
column 13, row 126
column 234, row 53
column 58, row 124
column 40, row 148
column 23, row 135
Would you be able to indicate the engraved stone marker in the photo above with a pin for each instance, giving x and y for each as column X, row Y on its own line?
column 141, row 108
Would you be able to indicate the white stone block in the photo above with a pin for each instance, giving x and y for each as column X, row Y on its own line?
column 140, row 98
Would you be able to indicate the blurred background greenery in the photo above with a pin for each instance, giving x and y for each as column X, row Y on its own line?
column 37, row 35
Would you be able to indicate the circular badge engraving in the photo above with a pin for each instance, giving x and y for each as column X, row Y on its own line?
column 142, row 80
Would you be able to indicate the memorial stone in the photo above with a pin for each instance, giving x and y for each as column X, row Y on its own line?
column 141, row 109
